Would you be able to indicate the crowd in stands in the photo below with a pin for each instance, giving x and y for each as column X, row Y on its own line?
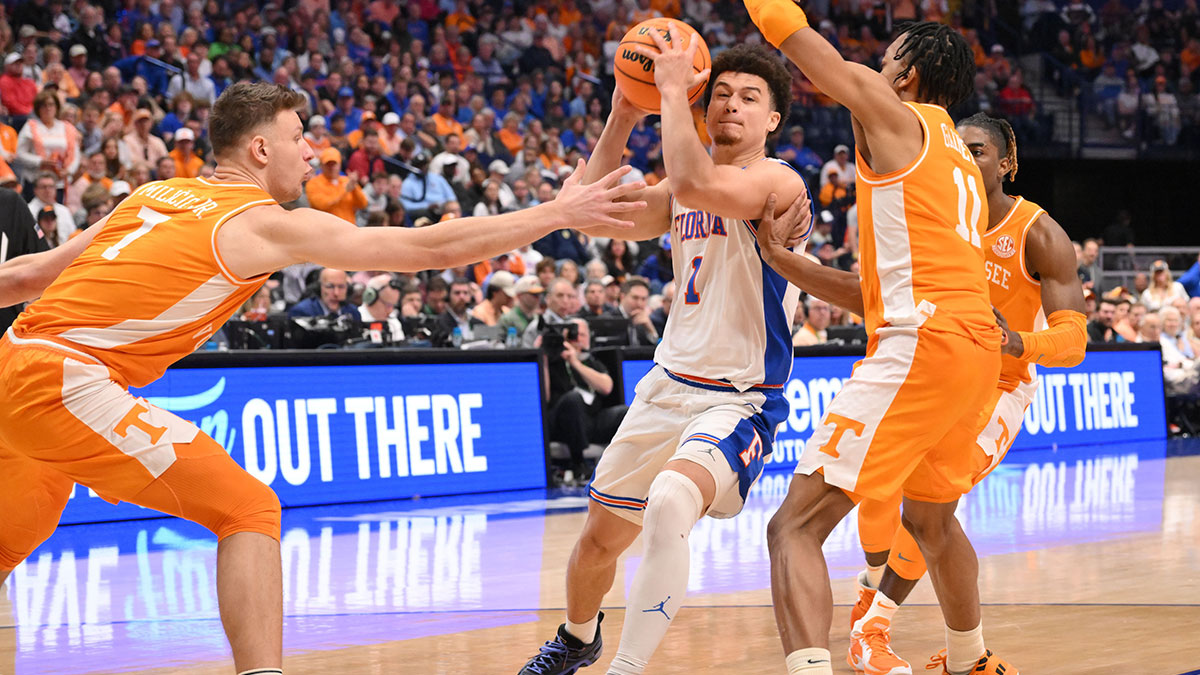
column 1138, row 62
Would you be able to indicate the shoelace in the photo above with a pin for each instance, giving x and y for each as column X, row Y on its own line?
column 550, row 654
column 878, row 641
column 937, row 661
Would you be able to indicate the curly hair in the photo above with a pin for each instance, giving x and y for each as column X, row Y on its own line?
column 942, row 58
column 756, row 60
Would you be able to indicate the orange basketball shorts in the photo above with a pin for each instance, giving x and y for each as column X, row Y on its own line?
column 890, row 426
column 65, row 421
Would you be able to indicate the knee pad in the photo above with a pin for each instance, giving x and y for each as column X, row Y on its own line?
column 905, row 557
column 673, row 506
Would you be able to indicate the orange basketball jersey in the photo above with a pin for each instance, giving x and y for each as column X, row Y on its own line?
column 919, row 238
column 1014, row 292
column 151, row 287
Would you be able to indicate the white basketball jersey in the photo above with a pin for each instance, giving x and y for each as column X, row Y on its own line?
column 731, row 320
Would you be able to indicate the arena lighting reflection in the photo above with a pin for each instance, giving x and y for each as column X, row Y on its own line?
column 98, row 595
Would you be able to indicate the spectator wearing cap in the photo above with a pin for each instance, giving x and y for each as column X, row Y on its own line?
column 498, row 172
column 658, row 268
column 332, row 192
column 46, row 143
column 345, row 105
column 528, row 294
column 1163, row 290
column 390, row 134
column 446, row 118
column 17, row 91
column 368, row 123
column 44, row 197
column 795, row 152
column 450, row 163
column 77, row 68
column 840, row 167
column 500, row 293
column 187, row 164
column 367, row 160
column 120, row 190
column 47, row 222
column 143, row 146
column 317, row 134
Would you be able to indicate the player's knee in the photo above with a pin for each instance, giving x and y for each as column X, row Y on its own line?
column 927, row 527
column 26, row 528
column 673, row 506
column 255, row 509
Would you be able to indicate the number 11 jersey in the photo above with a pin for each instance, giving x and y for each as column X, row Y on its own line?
column 152, row 286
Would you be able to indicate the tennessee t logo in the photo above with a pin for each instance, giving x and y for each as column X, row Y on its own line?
column 133, row 418
column 841, row 426
column 1002, row 442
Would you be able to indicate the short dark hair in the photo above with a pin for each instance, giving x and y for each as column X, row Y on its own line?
column 1107, row 301
column 436, row 285
column 756, row 60
column 634, row 282
column 43, row 97
column 545, row 264
column 246, row 106
column 1002, row 136
column 943, row 60
column 460, row 281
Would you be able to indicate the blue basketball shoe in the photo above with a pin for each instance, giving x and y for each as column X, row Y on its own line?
column 565, row 654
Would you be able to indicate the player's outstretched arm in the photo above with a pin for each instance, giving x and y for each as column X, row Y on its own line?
column 269, row 238
column 25, row 278
column 696, row 181
column 1050, row 255
column 655, row 219
column 832, row 285
column 864, row 91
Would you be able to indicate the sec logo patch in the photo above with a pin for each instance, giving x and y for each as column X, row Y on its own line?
column 1004, row 247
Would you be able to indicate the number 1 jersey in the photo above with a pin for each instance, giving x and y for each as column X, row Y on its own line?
column 731, row 320
column 152, row 286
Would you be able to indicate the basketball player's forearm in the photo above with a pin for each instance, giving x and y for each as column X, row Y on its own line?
column 837, row 287
column 609, row 149
column 684, row 157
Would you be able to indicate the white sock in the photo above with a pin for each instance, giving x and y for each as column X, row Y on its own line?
column 672, row 507
column 881, row 606
column 964, row 649
column 262, row 671
column 811, row 661
column 584, row 632
column 875, row 575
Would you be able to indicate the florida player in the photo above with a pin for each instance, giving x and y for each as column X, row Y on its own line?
column 704, row 419
column 149, row 284
column 1035, row 289
column 924, row 297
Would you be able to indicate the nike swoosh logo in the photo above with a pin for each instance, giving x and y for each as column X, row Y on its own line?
column 901, row 556
column 818, row 660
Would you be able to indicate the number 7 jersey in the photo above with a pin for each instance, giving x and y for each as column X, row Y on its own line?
column 921, row 262
column 151, row 287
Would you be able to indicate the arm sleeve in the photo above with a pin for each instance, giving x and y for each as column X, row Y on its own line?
column 1063, row 344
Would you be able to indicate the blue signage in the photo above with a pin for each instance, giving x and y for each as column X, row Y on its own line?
column 328, row 434
column 1110, row 397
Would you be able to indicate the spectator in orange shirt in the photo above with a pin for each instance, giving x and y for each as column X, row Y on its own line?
column 317, row 135
column 510, row 134
column 333, row 193
column 354, row 138
column 461, row 18
column 445, row 121
column 187, row 164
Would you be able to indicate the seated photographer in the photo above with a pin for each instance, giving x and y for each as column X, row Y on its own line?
column 333, row 285
column 379, row 307
column 577, row 384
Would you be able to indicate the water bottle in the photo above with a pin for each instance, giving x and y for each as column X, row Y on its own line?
column 512, row 341
column 456, row 337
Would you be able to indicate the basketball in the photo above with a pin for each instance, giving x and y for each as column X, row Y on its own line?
column 635, row 71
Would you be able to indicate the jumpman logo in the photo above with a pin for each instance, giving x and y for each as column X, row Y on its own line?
column 710, row 450
column 659, row 608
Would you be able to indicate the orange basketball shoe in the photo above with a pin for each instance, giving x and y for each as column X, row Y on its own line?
column 871, row 653
column 866, row 595
column 990, row 664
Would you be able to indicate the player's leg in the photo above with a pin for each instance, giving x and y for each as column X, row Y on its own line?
column 800, row 588
column 644, row 442
column 877, row 525
column 679, row 496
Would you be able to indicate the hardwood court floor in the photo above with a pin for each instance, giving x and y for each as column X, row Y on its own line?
column 1089, row 563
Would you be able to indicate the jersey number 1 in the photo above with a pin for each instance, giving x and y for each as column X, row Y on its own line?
column 967, row 229
column 690, row 296
column 150, row 218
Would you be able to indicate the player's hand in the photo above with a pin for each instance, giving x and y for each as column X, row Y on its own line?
column 790, row 229
column 623, row 109
column 1011, row 343
column 673, row 68
column 596, row 204
column 797, row 221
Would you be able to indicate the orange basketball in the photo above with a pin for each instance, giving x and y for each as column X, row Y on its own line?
column 635, row 71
